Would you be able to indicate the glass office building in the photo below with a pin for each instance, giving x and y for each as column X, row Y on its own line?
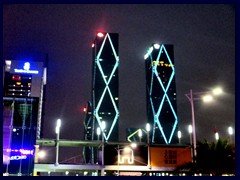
column 23, row 87
column 104, row 103
column 161, row 94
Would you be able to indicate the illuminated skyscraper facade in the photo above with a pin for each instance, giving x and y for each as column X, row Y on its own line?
column 104, row 103
column 161, row 94
column 23, row 89
column 105, row 85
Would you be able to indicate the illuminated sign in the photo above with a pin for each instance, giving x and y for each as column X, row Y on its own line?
column 18, row 157
column 22, row 151
column 127, row 154
column 21, row 154
column 26, row 69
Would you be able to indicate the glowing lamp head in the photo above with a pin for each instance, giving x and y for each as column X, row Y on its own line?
column 230, row 130
column 156, row 46
column 148, row 127
column 190, row 130
column 216, row 136
column 100, row 34
column 140, row 133
column 207, row 98
column 98, row 131
column 179, row 134
column 217, row 91
column 93, row 45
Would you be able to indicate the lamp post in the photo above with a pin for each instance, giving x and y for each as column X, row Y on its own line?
column 230, row 132
column 148, row 130
column 205, row 98
column 118, row 153
column 190, row 133
column 57, row 140
column 98, row 133
column 103, row 126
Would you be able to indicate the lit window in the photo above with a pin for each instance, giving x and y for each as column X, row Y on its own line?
column 16, row 78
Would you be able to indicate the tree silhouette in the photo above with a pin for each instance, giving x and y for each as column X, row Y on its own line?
column 214, row 158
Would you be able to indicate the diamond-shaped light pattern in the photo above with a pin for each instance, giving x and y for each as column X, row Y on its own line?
column 157, row 111
column 106, row 90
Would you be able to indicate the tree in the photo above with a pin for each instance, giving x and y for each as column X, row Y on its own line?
column 214, row 158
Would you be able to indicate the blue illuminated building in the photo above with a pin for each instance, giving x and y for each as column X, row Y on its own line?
column 161, row 94
column 23, row 102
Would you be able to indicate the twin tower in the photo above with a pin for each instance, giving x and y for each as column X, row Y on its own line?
column 103, row 109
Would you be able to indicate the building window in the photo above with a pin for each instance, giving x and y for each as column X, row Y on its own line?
column 170, row 157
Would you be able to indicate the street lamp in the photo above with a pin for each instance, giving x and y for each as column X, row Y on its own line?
column 57, row 139
column 179, row 136
column 230, row 132
column 103, row 126
column 148, row 130
column 190, row 133
column 216, row 91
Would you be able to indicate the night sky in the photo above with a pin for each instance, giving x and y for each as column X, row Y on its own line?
column 204, row 53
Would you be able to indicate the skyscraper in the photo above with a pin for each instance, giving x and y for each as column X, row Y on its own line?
column 161, row 94
column 104, row 103
column 23, row 88
column 105, row 85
